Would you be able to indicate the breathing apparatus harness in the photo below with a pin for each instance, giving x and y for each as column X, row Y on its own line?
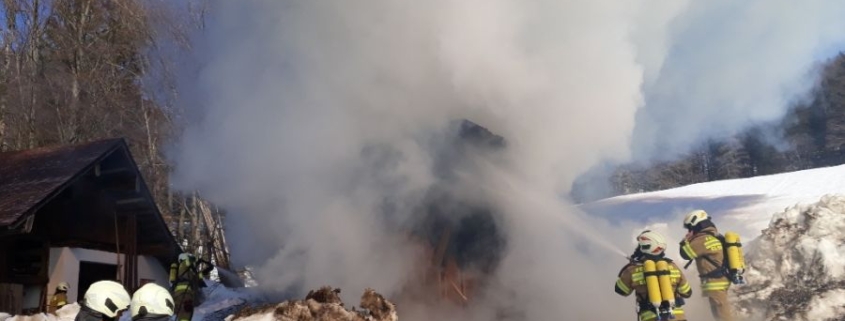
column 664, row 311
column 723, row 269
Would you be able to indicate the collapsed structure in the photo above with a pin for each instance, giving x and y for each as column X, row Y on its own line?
column 461, row 234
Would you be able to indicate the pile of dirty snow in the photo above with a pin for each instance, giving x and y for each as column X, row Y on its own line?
column 796, row 268
column 322, row 305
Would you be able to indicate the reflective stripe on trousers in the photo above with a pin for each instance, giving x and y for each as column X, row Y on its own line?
column 181, row 287
column 708, row 285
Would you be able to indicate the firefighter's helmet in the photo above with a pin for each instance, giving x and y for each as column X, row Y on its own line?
column 107, row 297
column 651, row 243
column 186, row 256
column 151, row 299
column 693, row 218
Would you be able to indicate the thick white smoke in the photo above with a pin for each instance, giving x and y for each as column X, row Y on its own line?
column 727, row 65
column 317, row 125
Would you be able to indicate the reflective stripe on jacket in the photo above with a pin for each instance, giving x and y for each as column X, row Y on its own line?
column 704, row 248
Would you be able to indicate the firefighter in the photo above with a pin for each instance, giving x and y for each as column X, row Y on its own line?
column 151, row 302
column 59, row 299
column 186, row 279
column 103, row 301
column 632, row 278
column 701, row 245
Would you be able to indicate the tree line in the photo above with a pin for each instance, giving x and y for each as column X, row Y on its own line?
column 811, row 135
column 73, row 71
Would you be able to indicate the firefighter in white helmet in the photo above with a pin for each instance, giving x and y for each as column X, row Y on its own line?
column 104, row 300
column 702, row 246
column 632, row 278
column 151, row 302
column 59, row 298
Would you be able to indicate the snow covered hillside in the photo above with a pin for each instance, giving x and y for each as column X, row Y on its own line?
column 743, row 205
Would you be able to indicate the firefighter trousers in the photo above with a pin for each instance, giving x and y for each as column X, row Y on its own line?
column 719, row 305
column 184, row 299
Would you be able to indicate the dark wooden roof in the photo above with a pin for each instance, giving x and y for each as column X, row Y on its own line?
column 29, row 177
column 38, row 182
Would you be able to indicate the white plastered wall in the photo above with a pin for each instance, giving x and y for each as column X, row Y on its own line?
column 64, row 266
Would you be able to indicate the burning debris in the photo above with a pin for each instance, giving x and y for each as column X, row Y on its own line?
column 323, row 305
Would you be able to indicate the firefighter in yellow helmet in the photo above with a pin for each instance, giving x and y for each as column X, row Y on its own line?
column 633, row 277
column 186, row 279
column 59, row 299
column 701, row 245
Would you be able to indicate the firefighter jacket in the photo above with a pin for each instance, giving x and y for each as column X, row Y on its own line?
column 707, row 252
column 57, row 301
column 632, row 280
column 185, row 276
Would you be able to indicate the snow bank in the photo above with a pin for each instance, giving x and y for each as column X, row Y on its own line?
column 796, row 268
column 66, row 313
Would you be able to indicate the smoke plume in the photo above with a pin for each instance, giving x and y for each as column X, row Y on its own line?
column 323, row 126
column 728, row 65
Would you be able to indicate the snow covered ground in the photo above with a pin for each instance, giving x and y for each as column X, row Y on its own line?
column 743, row 205
column 793, row 228
column 220, row 301
column 66, row 313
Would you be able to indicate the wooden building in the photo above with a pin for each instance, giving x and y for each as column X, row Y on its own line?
column 77, row 214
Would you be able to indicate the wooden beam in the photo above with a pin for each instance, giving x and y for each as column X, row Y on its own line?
column 130, row 241
column 130, row 200
column 87, row 244
column 440, row 252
